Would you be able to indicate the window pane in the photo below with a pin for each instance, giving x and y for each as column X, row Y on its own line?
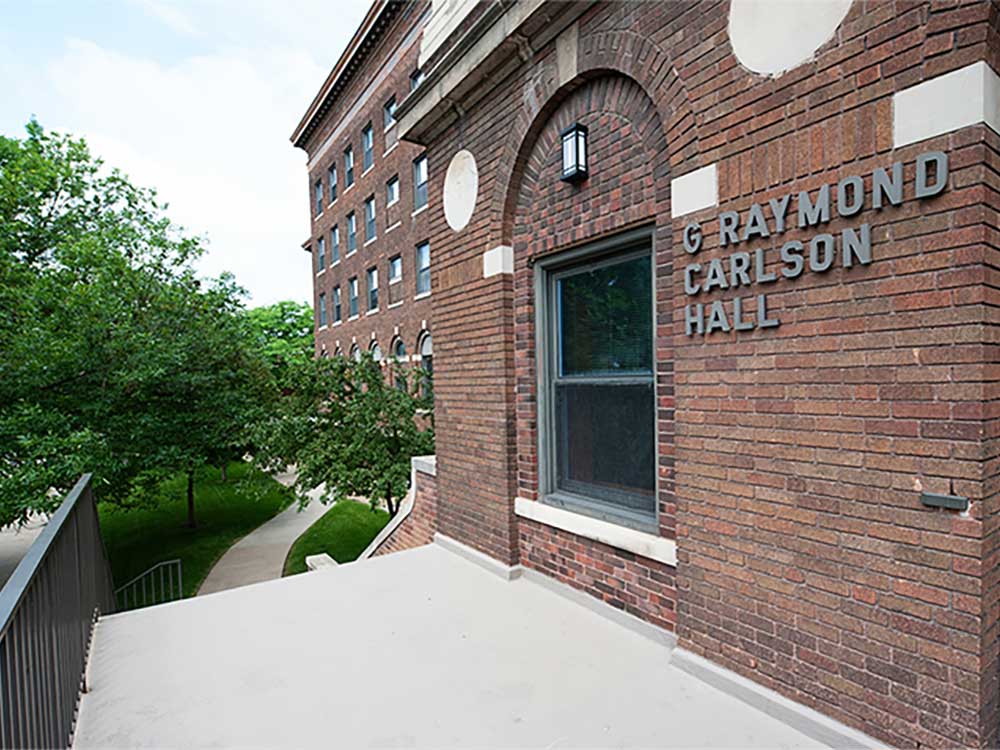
column 605, row 320
column 604, row 444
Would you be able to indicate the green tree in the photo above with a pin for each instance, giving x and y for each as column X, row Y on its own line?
column 347, row 426
column 283, row 333
column 115, row 357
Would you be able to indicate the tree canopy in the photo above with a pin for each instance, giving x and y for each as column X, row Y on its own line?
column 115, row 356
column 283, row 333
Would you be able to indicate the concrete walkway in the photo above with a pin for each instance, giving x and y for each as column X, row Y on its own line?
column 14, row 544
column 260, row 555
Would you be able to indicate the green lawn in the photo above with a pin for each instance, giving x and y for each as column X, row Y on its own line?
column 139, row 538
column 342, row 532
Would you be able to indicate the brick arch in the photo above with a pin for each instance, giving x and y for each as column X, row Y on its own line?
column 628, row 186
column 609, row 53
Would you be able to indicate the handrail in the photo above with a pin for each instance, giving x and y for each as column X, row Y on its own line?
column 171, row 586
column 48, row 608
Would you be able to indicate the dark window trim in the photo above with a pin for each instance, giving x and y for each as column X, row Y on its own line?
column 634, row 243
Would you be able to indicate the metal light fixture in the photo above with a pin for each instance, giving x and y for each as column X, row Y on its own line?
column 574, row 153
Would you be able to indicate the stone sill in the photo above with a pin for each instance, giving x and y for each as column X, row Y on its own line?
column 639, row 543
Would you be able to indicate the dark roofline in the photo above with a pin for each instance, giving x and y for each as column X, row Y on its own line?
column 374, row 24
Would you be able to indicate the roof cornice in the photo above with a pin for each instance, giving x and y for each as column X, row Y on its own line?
column 372, row 27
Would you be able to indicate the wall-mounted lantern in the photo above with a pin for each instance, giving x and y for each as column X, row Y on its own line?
column 574, row 153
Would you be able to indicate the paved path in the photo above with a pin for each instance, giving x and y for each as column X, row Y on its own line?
column 260, row 555
column 14, row 544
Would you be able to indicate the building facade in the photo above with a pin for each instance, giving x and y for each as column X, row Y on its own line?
column 715, row 308
column 369, row 197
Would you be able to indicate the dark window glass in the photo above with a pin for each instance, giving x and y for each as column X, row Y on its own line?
column 348, row 166
column 370, row 231
column 320, row 254
column 604, row 404
column 319, row 197
column 352, row 233
column 367, row 147
column 420, row 183
column 605, row 320
column 332, row 175
column 352, row 298
column 336, row 304
column 322, row 310
column 335, row 245
column 423, row 268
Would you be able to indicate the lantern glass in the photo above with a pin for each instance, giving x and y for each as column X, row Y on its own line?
column 574, row 152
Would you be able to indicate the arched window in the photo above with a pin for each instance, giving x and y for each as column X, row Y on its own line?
column 376, row 351
column 399, row 349
column 426, row 347
column 355, row 353
column 338, row 352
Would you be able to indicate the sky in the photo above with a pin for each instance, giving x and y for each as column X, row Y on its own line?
column 196, row 98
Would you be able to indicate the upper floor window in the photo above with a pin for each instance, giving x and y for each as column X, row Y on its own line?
column 389, row 113
column 367, row 147
column 319, row 197
column 392, row 191
column 420, row 182
column 416, row 78
column 320, row 255
column 423, row 268
column 332, row 180
column 395, row 269
column 348, row 167
column 372, row 289
column 352, row 297
column 352, row 233
column 370, row 218
column 322, row 310
column 335, row 245
column 336, row 304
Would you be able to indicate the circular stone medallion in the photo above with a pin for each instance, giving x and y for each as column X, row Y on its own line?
column 461, row 183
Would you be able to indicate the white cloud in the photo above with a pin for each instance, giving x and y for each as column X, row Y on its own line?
column 211, row 134
column 171, row 14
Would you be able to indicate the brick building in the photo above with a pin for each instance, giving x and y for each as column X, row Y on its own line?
column 369, row 198
column 715, row 308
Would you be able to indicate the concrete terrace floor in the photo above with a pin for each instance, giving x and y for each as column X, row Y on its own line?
column 417, row 649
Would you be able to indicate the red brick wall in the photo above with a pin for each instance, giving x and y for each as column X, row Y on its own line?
column 792, row 459
column 413, row 317
column 418, row 528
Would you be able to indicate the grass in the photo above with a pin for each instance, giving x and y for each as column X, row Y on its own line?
column 138, row 538
column 343, row 532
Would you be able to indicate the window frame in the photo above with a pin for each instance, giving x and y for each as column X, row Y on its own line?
column 321, row 313
column 320, row 255
column 418, row 185
column 348, row 167
column 398, row 259
column 418, row 269
column 392, row 181
column 334, row 245
column 353, row 306
column 389, row 114
column 371, row 221
column 336, row 305
column 622, row 247
column 318, row 197
column 367, row 150
column 352, row 233
column 331, row 179
column 372, row 289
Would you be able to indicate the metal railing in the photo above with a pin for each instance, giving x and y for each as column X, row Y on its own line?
column 161, row 583
column 47, row 612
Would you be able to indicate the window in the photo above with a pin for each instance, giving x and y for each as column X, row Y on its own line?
column 352, row 233
column 427, row 365
column 395, row 269
column 420, row 182
column 370, row 218
column 320, row 255
column 367, row 148
column 319, row 197
column 372, row 289
column 389, row 113
column 322, row 311
column 355, row 353
column 335, row 245
column 392, row 191
column 597, row 408
column 423, row 268
column 416, row 78
column 352, row 297
column 336, row 304
column 399, row 349
column 348, row 167
column 332, row 179
column 376, row 351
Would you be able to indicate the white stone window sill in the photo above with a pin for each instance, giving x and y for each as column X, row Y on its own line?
column 353, row 317
column 369, row 169
column 371, row 312
column 335, row 263
column 322, row 328
column 420, row 210
column 331, row 203
column 394, row 226
column 391, row 148
column 321, row 272
column 422, row 295
column 395, row 304
column 351, row 252
column 390, row 205
column 368, row 242
column 349, row 187
column 338, row 323
column 639, row 543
